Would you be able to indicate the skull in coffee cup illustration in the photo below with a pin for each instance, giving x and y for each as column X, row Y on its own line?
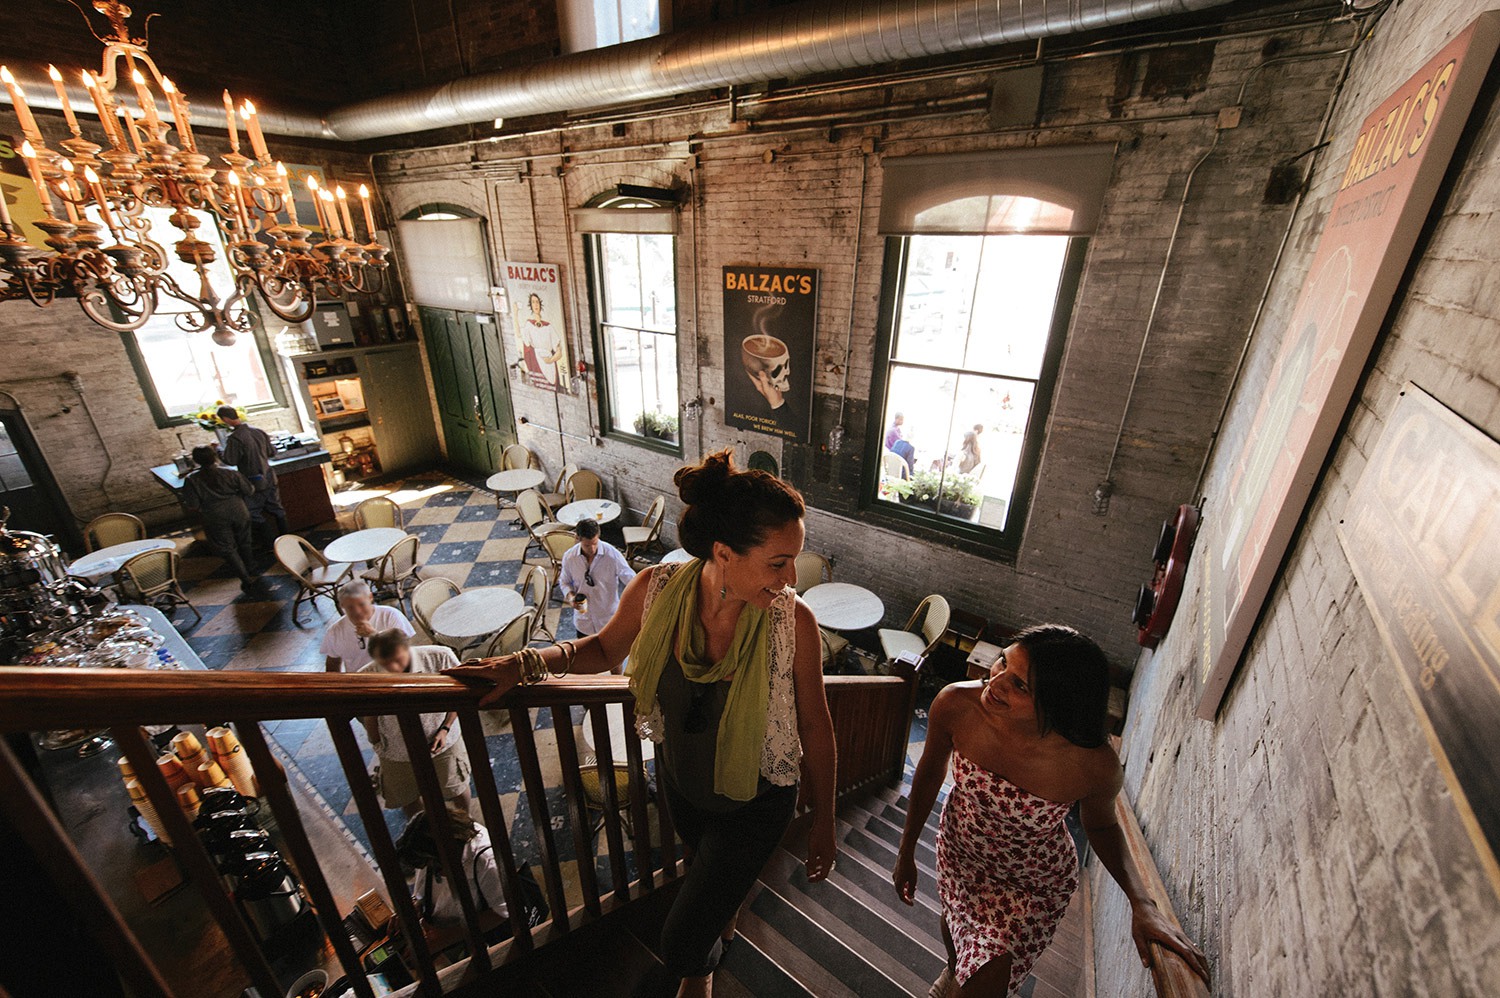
column 768, row 365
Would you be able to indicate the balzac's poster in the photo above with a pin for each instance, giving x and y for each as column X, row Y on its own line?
column 534, row 293
column 1388, row 179
column 770, row 332
column 1421, row 530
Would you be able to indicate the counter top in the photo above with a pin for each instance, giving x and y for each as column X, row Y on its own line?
column 168, row 476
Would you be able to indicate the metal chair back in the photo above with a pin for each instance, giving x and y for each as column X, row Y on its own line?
column 378, row 512
column 109, row 529
column 513, row 637
column 812, row 569
column 584, row 484
column 428, row 596
column 537, row 585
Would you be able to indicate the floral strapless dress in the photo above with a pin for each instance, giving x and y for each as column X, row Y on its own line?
column 1007, row 868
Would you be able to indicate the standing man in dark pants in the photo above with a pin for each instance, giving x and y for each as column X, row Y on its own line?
column 249, row 449
column 220, row 495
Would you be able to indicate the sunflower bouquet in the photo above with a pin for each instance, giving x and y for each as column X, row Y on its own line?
column 208, row 416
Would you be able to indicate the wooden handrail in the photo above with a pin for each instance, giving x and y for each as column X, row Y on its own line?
column 872, row 718
column 1169, row 971
column 37, row 699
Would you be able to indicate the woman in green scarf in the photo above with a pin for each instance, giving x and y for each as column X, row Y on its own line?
column 726, row 666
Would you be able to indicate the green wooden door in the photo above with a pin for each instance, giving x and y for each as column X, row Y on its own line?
column 469, row 373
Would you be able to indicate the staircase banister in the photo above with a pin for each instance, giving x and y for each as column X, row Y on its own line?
column 1170, row 973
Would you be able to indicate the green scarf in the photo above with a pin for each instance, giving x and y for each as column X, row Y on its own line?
column 742, row 731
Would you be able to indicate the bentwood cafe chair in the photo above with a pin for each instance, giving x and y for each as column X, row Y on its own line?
column 151, row 578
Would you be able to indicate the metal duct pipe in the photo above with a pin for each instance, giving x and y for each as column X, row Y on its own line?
column 814, row 37
column 817, row 36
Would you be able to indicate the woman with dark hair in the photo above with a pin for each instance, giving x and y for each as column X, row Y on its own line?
column 1027, row 744
column 221, row 497
column 726, row 668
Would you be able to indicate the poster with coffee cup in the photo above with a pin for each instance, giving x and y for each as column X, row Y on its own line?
column 770, row 334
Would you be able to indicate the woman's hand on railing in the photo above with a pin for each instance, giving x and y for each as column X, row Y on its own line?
column 1148, row 925
column 503, row 673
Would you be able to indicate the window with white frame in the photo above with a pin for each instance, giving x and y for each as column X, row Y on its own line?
column 634, row 284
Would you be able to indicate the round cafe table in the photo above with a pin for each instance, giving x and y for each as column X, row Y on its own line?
column 843, row 606
column 475, row 614
column 676, row 556
column 106, row 561
column 618, row 733
column 363, row 545
column 514, row 481
column 588, row 509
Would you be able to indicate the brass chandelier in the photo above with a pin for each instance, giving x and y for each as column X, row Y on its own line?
column 102, row 249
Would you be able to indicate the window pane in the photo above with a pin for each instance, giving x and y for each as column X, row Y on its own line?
column 983, row 303
column 937, row 299
column 1017, row 294
column 638, row 332
column 166, row 235
column 190, row 370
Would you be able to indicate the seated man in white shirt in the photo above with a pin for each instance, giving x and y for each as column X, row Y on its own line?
column 593, row 574
column 344, row 644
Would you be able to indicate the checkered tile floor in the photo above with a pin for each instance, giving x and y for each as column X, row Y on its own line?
column 464, row 538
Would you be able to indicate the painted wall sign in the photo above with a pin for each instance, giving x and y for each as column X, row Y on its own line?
column 534, row 291
column 770, row 334
column 1387, row 188
column 1421, row 531
column 21, row 198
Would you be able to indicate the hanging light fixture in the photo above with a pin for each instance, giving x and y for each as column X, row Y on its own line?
column 102, row 249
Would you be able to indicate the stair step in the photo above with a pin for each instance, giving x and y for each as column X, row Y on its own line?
column 890, row 833
column 746, row 972
column 871, row 930
column 882, row 853
column 897, row 817
column 810, row 953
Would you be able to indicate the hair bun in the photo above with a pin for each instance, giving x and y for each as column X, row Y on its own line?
column 702, row 484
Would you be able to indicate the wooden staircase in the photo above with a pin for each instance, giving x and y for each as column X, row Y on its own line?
column 847, row 937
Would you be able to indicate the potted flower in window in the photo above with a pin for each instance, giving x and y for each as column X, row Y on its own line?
column 207, row 418
column 950, row 494
column 657, row 426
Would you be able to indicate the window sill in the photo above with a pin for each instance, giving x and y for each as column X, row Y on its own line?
column 177, row 422
column 646, row 443
column 939, row 529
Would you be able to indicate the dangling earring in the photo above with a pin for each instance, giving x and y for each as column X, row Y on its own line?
column 723, row 592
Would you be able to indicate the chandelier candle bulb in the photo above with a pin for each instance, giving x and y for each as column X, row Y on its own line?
column 144, row 98
column 288, row 201
column 68, row 191
column 106, row 120
column 33, row 167
column 62, row 96
column 331, row 213
column 5, row 222
column 97, row 189
column 252, row 129
column 178, row 103
column 236, row 193
column 130, row 129
column 364, row 200
column 344, row 212
column 23, row 110
column 234, row 135
column 317, row 200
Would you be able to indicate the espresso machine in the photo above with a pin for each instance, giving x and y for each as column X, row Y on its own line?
column 37, row 596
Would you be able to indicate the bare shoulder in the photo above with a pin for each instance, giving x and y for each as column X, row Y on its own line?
column 1106, row 775
column 953, row 703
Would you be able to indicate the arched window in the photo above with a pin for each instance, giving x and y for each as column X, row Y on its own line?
column 631, row 255
column 982, row 265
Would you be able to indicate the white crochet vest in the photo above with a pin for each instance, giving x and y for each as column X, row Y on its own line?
column 781, row 756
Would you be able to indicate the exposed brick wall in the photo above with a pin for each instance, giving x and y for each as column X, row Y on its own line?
column 1307, row 837
column 802, row 208
column 40, row 344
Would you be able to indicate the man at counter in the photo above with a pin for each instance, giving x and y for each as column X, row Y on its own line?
column 344, row 644
column 249, row 449
column 219, row 495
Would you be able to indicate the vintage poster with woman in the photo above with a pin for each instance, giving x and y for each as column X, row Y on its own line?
column 534, row 291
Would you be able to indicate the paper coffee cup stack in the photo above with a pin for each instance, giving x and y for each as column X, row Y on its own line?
column 231, row 757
